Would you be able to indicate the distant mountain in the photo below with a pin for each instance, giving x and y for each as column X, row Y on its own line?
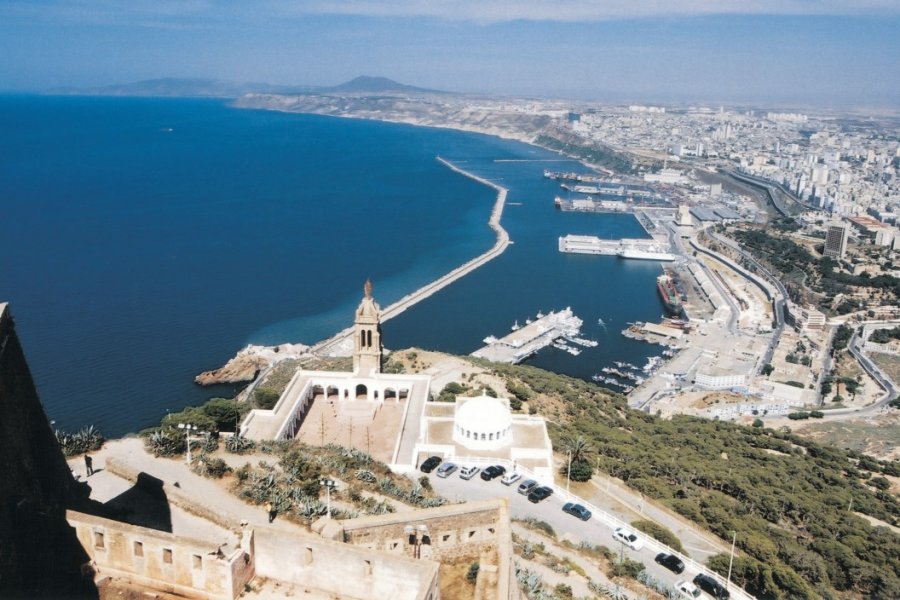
column 217, row 88
column 365, row 83
column 213, row 88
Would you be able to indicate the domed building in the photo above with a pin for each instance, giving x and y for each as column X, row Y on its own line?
column 482, row 429
column 482, row 423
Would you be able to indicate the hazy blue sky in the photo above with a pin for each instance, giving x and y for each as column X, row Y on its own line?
column 784, row 51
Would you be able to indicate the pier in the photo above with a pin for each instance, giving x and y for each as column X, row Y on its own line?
column 528, row 339
column 332, row 344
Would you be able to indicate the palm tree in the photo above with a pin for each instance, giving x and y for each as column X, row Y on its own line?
column 578, row 448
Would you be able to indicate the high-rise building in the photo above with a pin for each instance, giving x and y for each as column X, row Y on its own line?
column 836, row 240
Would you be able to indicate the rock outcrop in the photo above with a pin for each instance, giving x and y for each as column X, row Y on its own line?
column 248, row 363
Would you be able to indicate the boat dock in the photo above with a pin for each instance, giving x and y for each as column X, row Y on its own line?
column 624, row 248
column 531, row 337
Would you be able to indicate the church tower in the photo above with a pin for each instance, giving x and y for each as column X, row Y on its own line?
column 367, row 336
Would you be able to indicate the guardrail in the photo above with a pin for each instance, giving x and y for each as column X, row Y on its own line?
column 612, row 520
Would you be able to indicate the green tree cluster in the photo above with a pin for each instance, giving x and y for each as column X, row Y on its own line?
column 787, row 498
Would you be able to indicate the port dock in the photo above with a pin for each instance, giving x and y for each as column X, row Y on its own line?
column 531, row 337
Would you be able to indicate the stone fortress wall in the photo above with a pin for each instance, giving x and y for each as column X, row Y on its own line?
column 163, row 561
column 445, row 534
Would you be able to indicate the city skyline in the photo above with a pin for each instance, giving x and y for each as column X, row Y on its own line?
column 827, row 54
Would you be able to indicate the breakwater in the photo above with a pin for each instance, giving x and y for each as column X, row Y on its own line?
column 333, row 345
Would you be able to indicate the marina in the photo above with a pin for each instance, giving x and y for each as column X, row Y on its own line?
column 545, row 330
column 624, row 248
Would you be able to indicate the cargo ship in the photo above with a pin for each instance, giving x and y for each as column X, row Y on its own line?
column 665, row 283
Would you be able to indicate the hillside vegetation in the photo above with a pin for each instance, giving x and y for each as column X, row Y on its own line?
column 791, row 501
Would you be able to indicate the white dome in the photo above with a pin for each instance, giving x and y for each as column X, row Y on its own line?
column 482, row 422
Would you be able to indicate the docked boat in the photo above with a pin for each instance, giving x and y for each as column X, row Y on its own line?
column 628, row 252
column 665, row 284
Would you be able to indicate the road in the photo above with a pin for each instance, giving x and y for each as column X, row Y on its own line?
column 597, row 530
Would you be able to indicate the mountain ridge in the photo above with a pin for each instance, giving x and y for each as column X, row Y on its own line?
column 217, row 88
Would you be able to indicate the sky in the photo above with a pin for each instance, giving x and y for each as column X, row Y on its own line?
column 778, row 52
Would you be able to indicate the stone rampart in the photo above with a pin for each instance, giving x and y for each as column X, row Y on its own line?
column 342, row 570
column 162, row 561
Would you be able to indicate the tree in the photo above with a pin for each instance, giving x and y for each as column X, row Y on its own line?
column 265, row 398
column 767, row 369
column 578, row 449
column 758, row 423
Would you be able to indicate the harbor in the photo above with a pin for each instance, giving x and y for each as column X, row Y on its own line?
column 555, row 328
column 624, row 248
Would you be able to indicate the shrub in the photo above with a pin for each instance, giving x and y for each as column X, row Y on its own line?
column 265, row 398
column 657, row 531
column 881, row 483
column 758, row 423
column 627, row 568
column 216, row 467
column 472, row 574
column 224, row 412
column 582, row 470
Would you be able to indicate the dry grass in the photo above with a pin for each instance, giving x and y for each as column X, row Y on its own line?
column 888, row 363
column 454, row 585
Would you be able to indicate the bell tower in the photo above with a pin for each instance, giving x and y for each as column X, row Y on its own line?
column 367, row 336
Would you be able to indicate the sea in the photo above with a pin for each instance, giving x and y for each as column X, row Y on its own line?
column 146, row 240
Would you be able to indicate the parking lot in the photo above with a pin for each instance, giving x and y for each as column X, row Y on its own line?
column 597, row 530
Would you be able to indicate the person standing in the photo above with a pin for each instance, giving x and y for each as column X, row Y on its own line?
column 88, row 465
column 271, row 510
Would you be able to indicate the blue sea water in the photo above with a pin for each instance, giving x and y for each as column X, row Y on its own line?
column 146, row 240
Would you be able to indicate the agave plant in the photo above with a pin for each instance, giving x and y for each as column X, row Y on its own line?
column 237, row 444
column 366, row 475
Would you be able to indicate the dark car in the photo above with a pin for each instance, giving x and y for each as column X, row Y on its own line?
column 577, row 510
column 492, row 472
column 429, row 464
column 671, row 562
column 539, row 493
column 711, row 587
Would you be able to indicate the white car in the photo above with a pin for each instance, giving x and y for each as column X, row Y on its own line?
column 628, row 537
column 686, row 589
column 468, row 472
column 510, row 478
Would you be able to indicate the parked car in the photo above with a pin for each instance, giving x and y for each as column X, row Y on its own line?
column 628, row 537
column 539, row 493
column 711, row 586
column 526, row 486
column 687, row 590
column 492, row 471
column 429, row 464
column 671, row 562
column 510, row 478
column 468, row 472
column 577, row 510
column 446, row 469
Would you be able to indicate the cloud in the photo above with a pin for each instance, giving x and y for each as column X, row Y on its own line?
column 492, row 11
column 177, row 13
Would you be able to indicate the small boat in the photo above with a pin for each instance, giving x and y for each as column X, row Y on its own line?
column 516, row 326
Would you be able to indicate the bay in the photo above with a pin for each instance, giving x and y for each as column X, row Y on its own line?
column 146, row 240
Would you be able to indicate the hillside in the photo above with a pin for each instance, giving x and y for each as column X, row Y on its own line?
column 792, row 502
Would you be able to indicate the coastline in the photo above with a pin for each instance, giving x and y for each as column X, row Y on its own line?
column 332, row 346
